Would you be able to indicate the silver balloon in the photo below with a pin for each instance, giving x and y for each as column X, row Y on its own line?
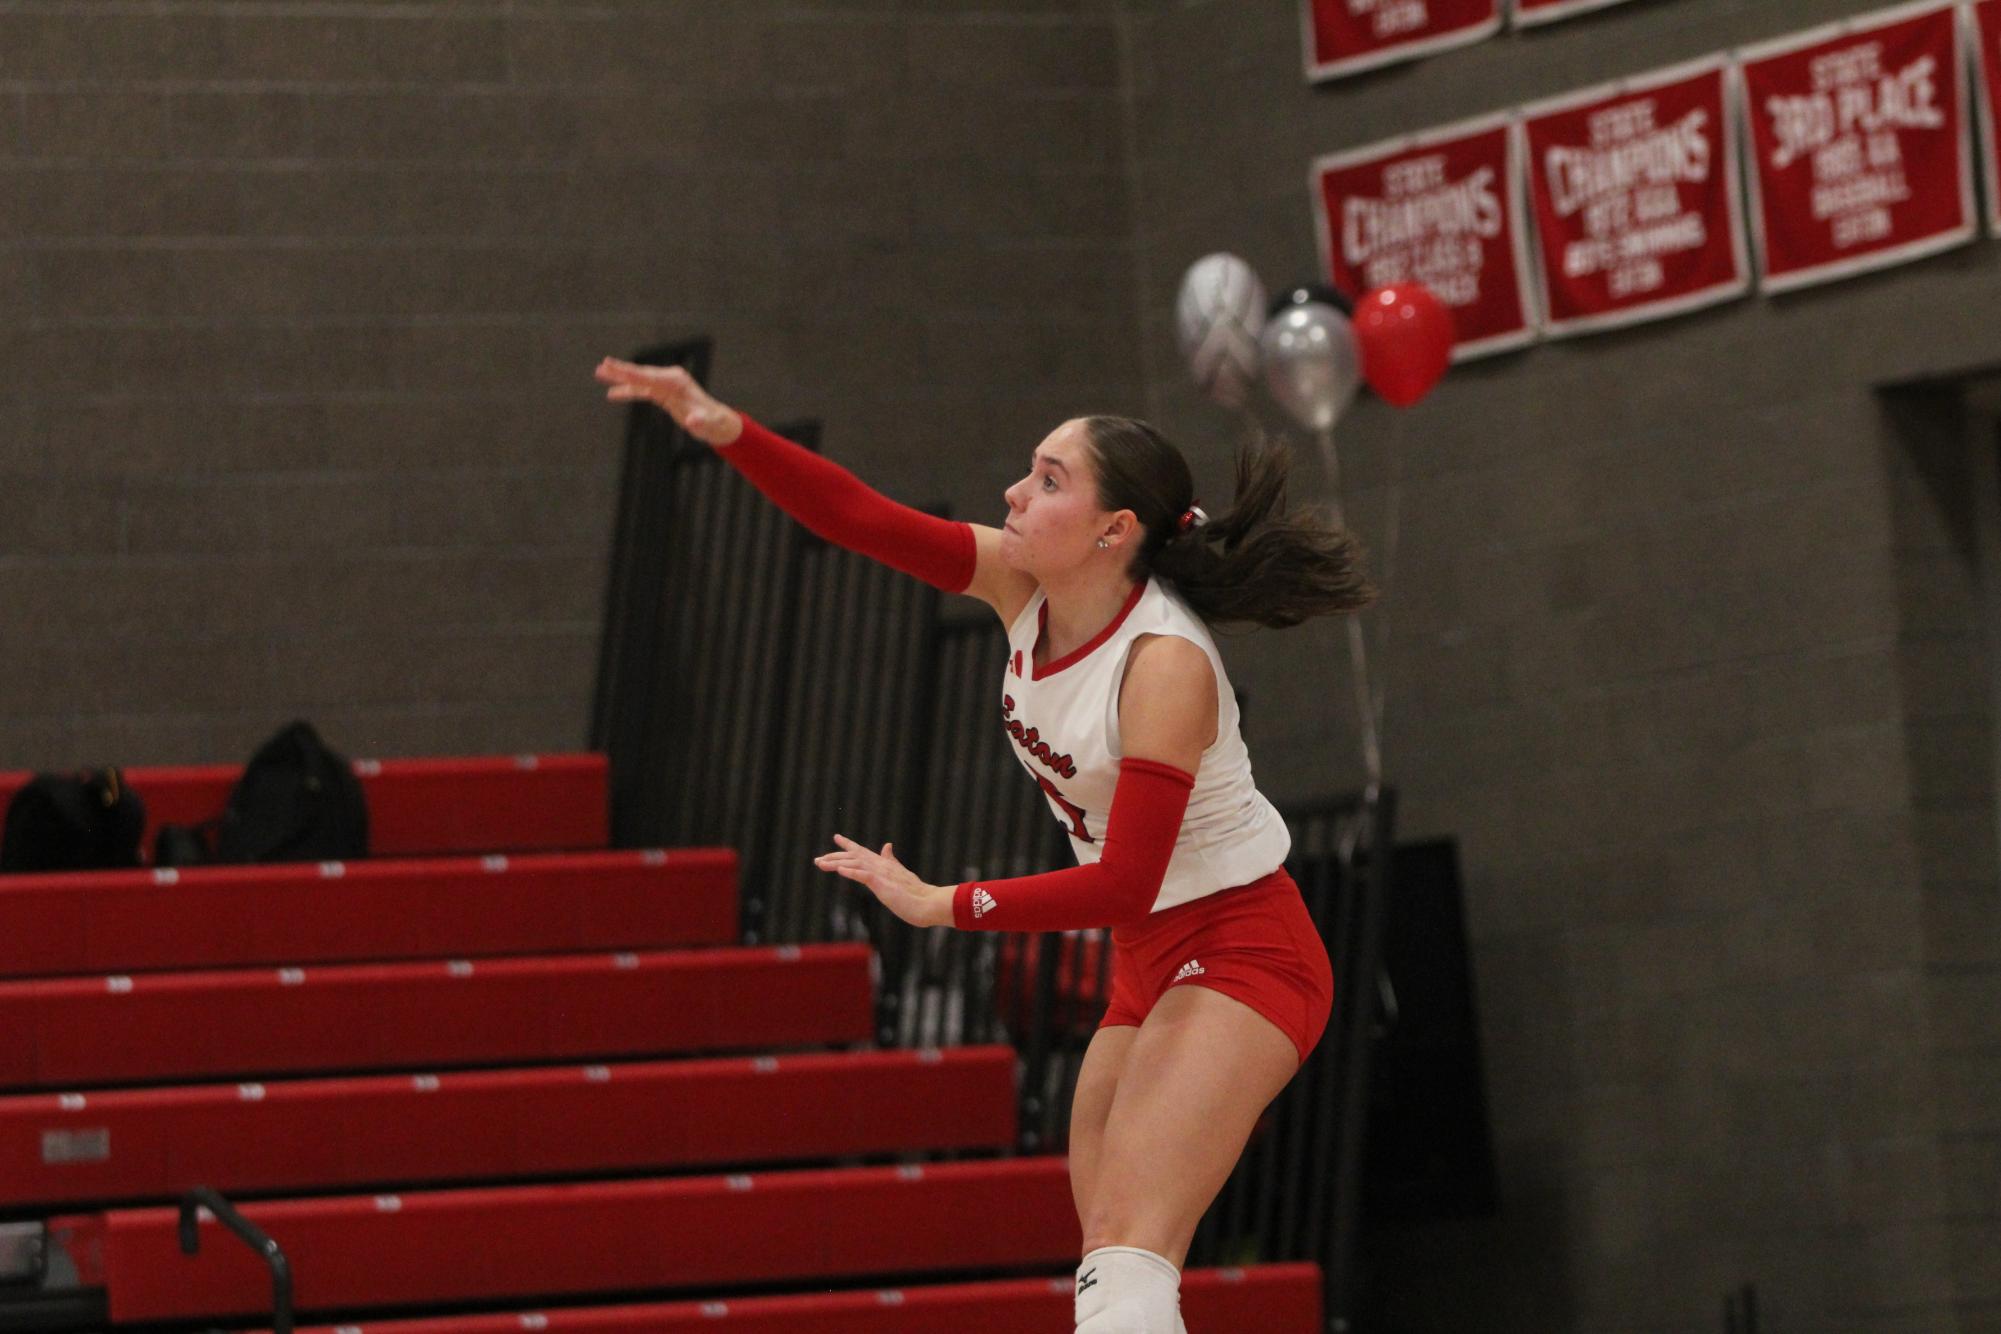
column 1311, row 363
column 1217, row 317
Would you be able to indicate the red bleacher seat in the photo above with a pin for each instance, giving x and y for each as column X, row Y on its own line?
column 624, row 1236
column 153, row 1144
column 71, row 1032
column 488, row 803
column 64, row 923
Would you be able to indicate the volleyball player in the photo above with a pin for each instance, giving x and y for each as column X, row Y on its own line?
column 1107, row 576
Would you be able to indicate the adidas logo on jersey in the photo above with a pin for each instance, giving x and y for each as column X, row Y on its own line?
column 1189, row 969
column 983, row 903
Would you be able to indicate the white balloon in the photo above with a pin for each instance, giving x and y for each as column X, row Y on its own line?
column 1217, row 318
column 1311, row 362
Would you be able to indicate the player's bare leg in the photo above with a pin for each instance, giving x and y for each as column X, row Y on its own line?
column 1200, row 1072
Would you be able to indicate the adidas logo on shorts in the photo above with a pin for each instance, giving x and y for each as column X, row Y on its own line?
column 1188, row 969
column 983, row 903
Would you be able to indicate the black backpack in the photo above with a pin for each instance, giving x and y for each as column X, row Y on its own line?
column 297, row 801
column 86, row 820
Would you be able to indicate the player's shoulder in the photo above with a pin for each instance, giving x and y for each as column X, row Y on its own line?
column 1168, row 702
column 1165, row 614
column 1169, row 659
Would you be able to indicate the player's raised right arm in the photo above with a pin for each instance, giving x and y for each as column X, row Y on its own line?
column 828, row 499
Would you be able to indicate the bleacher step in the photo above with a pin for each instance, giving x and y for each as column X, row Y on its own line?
column 342, row 1134
column 540, row 1243
column 249, row 1023
column 1270, row 1299
column 61, row 924
column 447, row 804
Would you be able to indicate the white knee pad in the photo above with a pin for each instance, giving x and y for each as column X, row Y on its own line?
column 1126, row 1290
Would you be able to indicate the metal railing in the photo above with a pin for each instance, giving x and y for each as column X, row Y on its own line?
column 205, row 1200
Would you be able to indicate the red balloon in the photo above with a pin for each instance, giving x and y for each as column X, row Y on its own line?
column 1405, row 334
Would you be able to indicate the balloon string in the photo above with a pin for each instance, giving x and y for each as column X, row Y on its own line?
column 1393, row 506
column 1367, row 701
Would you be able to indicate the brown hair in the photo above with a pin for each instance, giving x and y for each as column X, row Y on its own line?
column 1255, row 564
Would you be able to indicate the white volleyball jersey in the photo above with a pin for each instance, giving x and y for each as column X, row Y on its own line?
column 1064, row 720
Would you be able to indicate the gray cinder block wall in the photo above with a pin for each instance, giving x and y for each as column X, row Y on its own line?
column 295, row 417
column 301, row 303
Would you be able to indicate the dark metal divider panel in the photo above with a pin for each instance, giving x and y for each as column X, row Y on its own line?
column 856, row 703
column 1362, row 1012
column 642, row 541
column 979, row 816
column 701, row 621
column 725, row 624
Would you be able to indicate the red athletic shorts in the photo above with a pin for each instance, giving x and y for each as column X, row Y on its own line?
column 1254, row 942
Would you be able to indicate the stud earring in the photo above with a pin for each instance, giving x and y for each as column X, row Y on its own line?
column 1103, row 543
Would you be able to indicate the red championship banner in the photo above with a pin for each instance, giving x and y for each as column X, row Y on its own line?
column 1633, row 189
column 1528, row 13
column 1863, row 155
column 1348, row 36
column 1439, row 208
column 1984, row 32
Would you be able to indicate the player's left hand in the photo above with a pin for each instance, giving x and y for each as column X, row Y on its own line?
column 891, row 882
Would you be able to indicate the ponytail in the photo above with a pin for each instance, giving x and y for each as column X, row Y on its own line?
column 1255, row 564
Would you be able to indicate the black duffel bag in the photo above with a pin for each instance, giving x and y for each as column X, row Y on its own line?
column 80, row 821
column 297, row 801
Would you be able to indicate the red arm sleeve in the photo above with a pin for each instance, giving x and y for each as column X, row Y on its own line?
column 1120, row 887
column 835, row 504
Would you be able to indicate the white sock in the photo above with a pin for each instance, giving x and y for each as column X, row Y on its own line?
column 1126, row 1290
